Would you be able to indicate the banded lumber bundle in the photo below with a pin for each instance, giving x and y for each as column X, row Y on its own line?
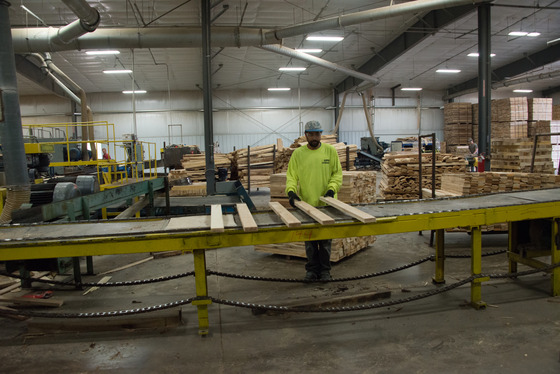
column 259, row 159
column 539, row 127
column 457, row 113
column 457, row 134
column 540, row 109
column 357, row 187
column 194, row 166
column 340, row 248
column 509, row 130
column 400, row 173
column 556, row 112
column 510, row 109
column 195, row 189
column 491, row 182
column 514, row 155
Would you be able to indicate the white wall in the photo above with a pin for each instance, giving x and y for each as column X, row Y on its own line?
column 245, row 118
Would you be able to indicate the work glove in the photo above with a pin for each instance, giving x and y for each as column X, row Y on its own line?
column 293, row 196
column 330, row 193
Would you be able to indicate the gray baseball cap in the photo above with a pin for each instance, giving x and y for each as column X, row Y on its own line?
column 313, row 126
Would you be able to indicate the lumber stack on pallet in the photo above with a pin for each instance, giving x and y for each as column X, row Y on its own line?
column 539, row 127
column 491, row 182
column 194, row 166
column 458, row 127
column 400, row 173
column 509, row 130
column 357, row 187
column 260, row 161
column 510, row 109
column 514, row 155
column 346, row 153
column 540, row 109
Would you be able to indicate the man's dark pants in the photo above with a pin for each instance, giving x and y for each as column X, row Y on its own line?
column 318, row 256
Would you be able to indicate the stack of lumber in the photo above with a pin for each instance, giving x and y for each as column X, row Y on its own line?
column 490, row 182
column 539, row 127
column 194, row 166
column 514, row 155
column 283, row 157
column 556, row 112
column 458, row 126
column 510, row 109
column 258, row 161
column 357, row 187
column 400, row 173
column 509, row 130
column 458, row 150
column 540, row 109
column 195, row 189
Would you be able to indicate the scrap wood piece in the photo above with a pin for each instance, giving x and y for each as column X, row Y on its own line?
column 349, row 210
column 216, row 218
column 288, row 218
column 247, row 220
column 134, row 208
column 17, row 284
column 52, row 303
column 127, row 266
column 315, row 213
column 17, row 317
column 102, row 281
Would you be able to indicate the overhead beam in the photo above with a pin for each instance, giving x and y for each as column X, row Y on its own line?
column 425, row 27
column 32, row 72
column 550, row 91
column 526, row 63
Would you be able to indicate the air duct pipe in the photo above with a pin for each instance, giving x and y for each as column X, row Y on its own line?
column 319, row 61
column 368, row 16
column 88, row 21
column 40, row 39
column 11, row 135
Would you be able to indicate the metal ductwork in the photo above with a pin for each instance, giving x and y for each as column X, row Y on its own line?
column 319, row 61
column 11, row 136
column 40, row 39
column 335, row 23
column 508, row 83
column 88, row 21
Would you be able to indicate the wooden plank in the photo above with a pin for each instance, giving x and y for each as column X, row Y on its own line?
column 134, row 208
column 349, row 210
column 216, row 219
column 315, row 213
column 288, row 218
column 127, row 266
column 53, row 303
column 102, row 281
column 247, row 220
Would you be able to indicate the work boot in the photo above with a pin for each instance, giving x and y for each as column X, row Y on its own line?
column 325, row 276
column 310, row 276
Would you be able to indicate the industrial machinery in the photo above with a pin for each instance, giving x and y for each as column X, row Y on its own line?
column 173, row 154
column 370, row 154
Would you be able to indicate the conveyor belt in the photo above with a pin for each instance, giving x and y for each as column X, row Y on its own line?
column 193, row 232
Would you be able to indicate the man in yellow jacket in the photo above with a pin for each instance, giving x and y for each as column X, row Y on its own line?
column 314, row 171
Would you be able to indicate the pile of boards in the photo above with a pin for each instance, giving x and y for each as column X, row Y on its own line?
column 515, row 155
column 194, row 168
column 457, row 123
column 255, row 164
column 357, row 187
column 400, row 173
column 492, row 182
column 346, row 153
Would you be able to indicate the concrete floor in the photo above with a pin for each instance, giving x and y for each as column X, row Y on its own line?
column 519, row 331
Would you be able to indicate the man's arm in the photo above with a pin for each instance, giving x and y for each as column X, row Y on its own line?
column 336, row 173
column 292, row 176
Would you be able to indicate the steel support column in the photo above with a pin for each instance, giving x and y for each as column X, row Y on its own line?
column 439, row 277
column 484, row 83
column 555, row 256
column 207, row 93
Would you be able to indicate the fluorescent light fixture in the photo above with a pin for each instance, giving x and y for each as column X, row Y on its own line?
column 518, row 33
column 135, row 92
column 534, row 34
column 475, row 54
column 325, row 38
column 292, row 69
column 448, row 71
column 122, row 71
column 411, row 89
column 309, row 50
column 106, row 52
column 523, row 91
column 279, row 89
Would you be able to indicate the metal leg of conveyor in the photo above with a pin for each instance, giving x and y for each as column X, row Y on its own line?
column 555, row 257
column 439, row 277
column 512, row 247
column 201, row 291
column 476, row 268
